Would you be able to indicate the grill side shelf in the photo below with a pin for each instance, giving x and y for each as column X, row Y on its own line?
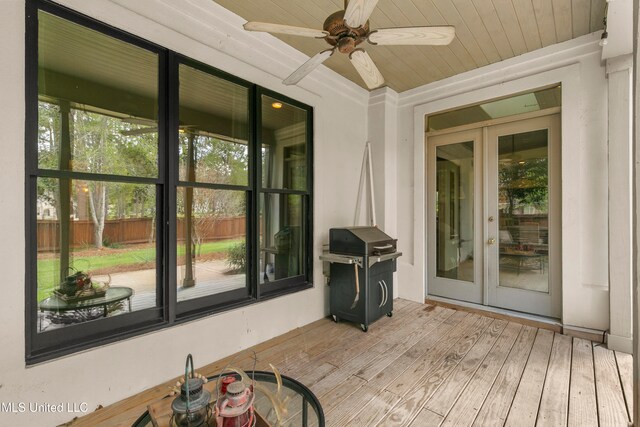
column 375, row 259
column 342, row 259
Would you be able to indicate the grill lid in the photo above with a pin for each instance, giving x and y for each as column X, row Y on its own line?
column 360, row 241
column 369, row 234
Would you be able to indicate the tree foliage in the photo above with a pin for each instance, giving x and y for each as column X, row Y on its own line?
column 524, row 184
column 108, row 145
column 213, row 161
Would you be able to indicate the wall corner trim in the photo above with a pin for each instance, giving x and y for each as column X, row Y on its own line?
column 384, row 94
column 619, row 343
column 619, row 63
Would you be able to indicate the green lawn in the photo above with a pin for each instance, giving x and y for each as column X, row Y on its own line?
column 48, row 277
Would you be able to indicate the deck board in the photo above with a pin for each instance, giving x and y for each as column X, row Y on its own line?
column 373, row 411
column 431, row 352
column 466, row 408
column 554, row 403
column 524, row 408
column 447, row 395
column 625, row 366
column 496, row 406
column 414, row 400
column 432, row 365
column 583, row 410
column 611, row 407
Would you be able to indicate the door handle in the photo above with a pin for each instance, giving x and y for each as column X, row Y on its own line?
column 382, row 297
column 491, row 241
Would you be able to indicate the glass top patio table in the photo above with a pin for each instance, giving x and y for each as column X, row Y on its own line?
column 113, row 295
column 297, row 405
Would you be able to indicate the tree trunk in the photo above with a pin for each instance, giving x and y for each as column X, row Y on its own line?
column 98, row 201
column 152, row 229
column 98, row 194
column 64, row 190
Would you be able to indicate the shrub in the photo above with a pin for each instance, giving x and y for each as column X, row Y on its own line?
column 237, row 257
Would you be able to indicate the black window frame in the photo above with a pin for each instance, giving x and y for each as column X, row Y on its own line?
column 168, row 312
column 284, row 285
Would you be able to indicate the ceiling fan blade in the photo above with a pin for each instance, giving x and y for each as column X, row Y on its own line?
column 358, row 12
column 149, row 129
column 366, row 68
column 413, row 36
column 139, row 121
column 308, row 66
column 139, row 131
column 285, row 29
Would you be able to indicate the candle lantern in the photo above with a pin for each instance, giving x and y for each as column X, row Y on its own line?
column 192, row 407
column 235, row 407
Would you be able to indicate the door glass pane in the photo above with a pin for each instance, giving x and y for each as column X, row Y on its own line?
column 523, row 204
column 454, row 211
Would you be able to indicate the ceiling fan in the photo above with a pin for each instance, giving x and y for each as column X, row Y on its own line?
column 345, row 29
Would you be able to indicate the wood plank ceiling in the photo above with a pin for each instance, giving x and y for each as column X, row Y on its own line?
column 487, row 31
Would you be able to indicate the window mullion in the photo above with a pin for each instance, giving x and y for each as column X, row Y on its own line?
column 256, row 126
column 170, row 226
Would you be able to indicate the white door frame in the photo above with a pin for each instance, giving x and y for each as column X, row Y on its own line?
column 485, row 288
column 489, row 85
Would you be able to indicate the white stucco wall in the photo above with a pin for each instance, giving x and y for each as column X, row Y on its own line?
column 578, row 66
column 204, row 31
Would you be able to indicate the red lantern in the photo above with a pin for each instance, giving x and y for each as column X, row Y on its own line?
column 235, row 407
column 225, row 382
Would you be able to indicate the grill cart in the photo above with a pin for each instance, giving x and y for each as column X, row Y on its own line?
column 362, row 261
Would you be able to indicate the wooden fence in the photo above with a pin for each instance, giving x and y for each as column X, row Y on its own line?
column 135, row 230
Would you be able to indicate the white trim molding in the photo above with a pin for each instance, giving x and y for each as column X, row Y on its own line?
column 569, row 77
column 575, row 65
column 619, row 105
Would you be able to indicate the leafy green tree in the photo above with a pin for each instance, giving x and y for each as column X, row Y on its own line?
column 48, row 151
column 525, row 183
column 105, row 145
column 214, row 161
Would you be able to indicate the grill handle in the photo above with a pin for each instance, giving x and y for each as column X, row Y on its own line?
column 383, row 297
column 383, row 248
column 386, row 293
column 357, row 298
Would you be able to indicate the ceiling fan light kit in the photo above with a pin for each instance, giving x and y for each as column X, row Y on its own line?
column 346, row 29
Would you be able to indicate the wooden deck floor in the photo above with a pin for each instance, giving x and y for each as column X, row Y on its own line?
column 431, row 365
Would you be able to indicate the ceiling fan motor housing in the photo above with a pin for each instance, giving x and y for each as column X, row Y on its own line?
column 343, row 36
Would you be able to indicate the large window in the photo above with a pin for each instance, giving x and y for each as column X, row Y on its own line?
column 213, row 189
column 284, row 192
column 159, row 188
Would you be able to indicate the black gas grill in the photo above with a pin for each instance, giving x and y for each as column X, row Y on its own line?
column 363, row 260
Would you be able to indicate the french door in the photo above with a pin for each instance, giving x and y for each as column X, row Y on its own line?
column 494, row 215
